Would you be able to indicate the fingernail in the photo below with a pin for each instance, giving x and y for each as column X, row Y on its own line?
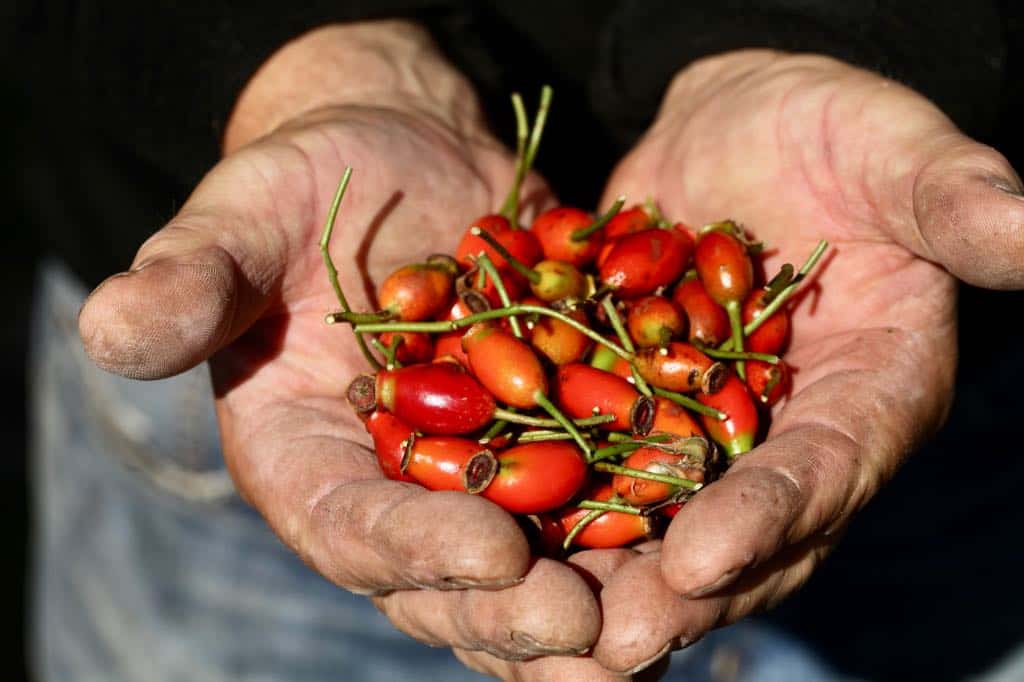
column 650, row 661
column 725, row 579
column 539, row 648
column 453, row 582
column 1008, row 188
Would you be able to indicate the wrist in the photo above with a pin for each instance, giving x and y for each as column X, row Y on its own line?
column 385, row 64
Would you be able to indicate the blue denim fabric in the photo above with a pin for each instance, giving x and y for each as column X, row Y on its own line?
column 147, row 566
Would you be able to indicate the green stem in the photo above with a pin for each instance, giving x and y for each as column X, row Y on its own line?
column 358, row 318
column 779, row 282
column 498, row 313
column 602, row 220
column 580, row 525
column 539, row 436
column 526, row 151
column 736, row 355
column 526, row 420
column 655, row 213
column 689, row 403
column 487, row 265
column 610, row 506
column 500, row 249
column 648, row 475
column 496, row 428
column 784, row 296
column 616, row 437
column 733, row 308
column 614, row 450
column 627, row 343
column 564, row 421
column 332, row 272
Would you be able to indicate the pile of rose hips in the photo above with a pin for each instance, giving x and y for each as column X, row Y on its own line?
column 585, row 373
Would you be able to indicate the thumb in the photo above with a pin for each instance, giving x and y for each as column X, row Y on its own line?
column 969, row 211
column 203, row 279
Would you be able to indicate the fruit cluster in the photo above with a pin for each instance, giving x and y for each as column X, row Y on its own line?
column 589, row 374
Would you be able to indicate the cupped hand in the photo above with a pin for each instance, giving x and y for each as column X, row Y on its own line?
column 236, row 277
column 798, row 149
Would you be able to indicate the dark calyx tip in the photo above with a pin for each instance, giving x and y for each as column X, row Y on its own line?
column 479, row 472
column 362, row 394
column 641, row 416
column 714, row 378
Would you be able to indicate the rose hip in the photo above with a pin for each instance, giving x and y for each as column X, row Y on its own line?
column 439, row 398
column 505, row 365
column 412, row 348
column 557, row 341
column 557, row 281
column 554, row 228
column 680, row 367
column 537, row 477
column 419, row 291
column 772, row 335
column 610, row 529
column 583, row 391
column 708, row 321
column 443, row 463
column 520, row 243
column 604, row 358
column 654, row 321
column 633, row 219
column 768, row 383
column 737, row 431
column 669, row 417
column 725, row 268
column 638, row 491
column 390, row 438
column 450, row 345
column 641, row 262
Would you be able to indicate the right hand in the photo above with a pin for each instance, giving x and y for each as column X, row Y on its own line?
column 236, row 277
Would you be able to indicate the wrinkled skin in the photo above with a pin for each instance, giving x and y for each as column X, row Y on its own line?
column 796, row 148
column 237, row 277
column 800, row 148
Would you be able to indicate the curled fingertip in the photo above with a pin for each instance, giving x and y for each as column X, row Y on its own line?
column 727, row 578
column 639, row 667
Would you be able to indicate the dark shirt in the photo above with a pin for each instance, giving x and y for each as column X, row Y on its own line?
column 131, row 100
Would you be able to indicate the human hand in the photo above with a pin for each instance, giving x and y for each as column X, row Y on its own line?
column 236, row 277
column 800, row 148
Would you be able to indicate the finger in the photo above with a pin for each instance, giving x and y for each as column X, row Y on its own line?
column 552, row 612
column 864, row 402
column 204, row 278
column 325, row 497
column 554, row 669
column 969, row 205
column 644, row 618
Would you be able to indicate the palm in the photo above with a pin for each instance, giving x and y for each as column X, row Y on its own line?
column 394, row 213
column 788, row 150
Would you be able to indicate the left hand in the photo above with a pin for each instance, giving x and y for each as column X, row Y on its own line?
column 800, row 148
